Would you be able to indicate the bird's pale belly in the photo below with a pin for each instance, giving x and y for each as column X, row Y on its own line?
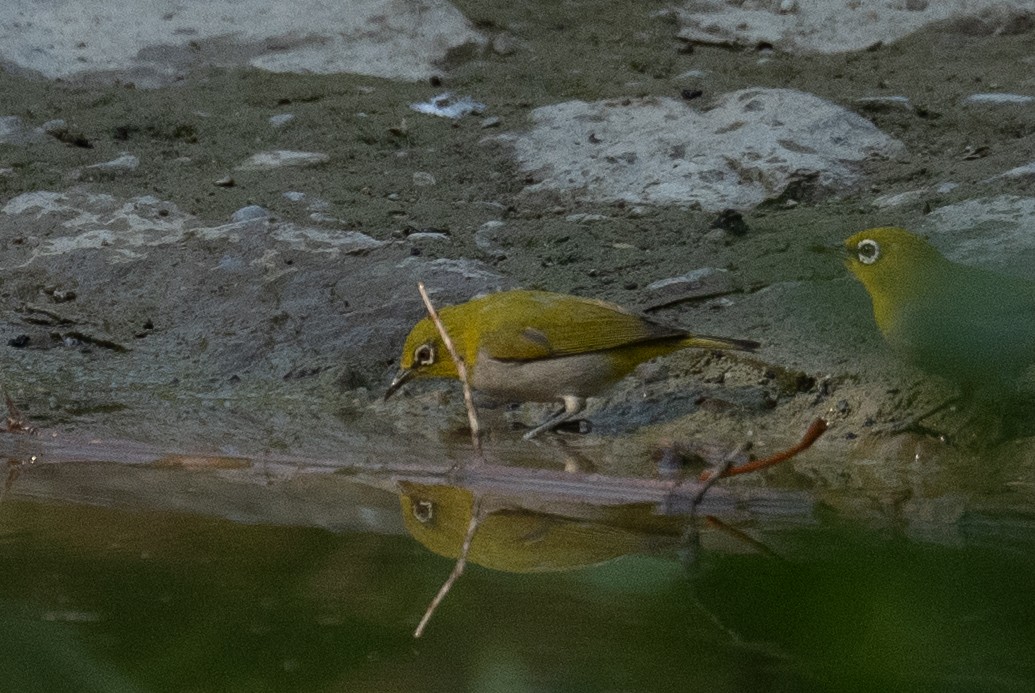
column 544, row 380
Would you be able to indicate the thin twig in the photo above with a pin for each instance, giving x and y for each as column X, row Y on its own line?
column 717, row 472
column 16, row 422
column 815, row 430
column 740, row 536
column 461, row 369
column 458, row 567
column 691, row 539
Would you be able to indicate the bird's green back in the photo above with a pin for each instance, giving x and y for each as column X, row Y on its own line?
column 530, row 325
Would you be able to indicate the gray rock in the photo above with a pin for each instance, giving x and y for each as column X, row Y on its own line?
column 751, row 146
column 152, row 44
column 996, row 232
column 1023, row 171
column 899, row 199
column 281, row 119
column 806, row 26
column 262, row 304
column 14, row 131
column 697, row 284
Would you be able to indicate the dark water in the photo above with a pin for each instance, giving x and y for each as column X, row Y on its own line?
column 102, row 599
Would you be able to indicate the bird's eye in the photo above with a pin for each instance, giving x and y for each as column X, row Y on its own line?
column 869, row 251
column 424, row 355
column 423, row 511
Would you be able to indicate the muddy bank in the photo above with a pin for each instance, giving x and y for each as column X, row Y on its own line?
column 143, row 296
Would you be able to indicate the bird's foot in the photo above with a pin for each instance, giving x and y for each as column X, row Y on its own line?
column 577, row 426
column 565, row 425
column 572, row 406
column 915, row 424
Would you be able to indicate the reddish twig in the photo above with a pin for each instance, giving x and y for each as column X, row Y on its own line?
column 461, row 368
column 815, row 430
column 458, row 567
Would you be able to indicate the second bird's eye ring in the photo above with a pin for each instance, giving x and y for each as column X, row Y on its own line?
column 869, row 251
column 424, row 355
column 423, row 511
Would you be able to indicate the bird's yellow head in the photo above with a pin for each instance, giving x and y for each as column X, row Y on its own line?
column 424, row 356
column 893, row 264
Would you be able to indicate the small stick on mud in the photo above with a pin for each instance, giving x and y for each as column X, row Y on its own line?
column 458, row 568
column 815, row 430
column 16, row 422
column 461, row 369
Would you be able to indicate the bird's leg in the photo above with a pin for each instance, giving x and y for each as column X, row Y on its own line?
column 914, row 424
column 572, row 406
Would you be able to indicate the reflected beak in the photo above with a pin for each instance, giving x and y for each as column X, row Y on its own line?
column 401, row 378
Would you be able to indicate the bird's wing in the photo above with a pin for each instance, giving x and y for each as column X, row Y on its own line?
column 978, row 325
column 550, row 325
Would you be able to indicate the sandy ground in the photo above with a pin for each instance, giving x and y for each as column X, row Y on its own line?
column 251, row 363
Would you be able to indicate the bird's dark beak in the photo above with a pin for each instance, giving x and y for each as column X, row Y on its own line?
column 401, row 378
column 835, row 250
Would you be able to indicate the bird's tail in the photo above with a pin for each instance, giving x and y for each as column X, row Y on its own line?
column 699, row 341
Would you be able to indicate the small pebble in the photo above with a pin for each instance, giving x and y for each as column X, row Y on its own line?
column 423, row 179
column 52, row 126
column 281, row 119
column 280, row 158
column 124, row 163
column 1000, row 99
column 248, row 213
column 485, row 236
column 504, row 43
column 427, row 236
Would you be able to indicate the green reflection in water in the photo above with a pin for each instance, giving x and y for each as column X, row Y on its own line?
column 107, row 600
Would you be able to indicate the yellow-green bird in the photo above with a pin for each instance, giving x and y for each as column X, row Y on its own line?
column 536, row 346
column 518, row 540
column 970, row 325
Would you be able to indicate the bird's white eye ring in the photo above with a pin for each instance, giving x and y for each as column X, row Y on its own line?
column 424, row 511
column 424, row 355
column 869, row 251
